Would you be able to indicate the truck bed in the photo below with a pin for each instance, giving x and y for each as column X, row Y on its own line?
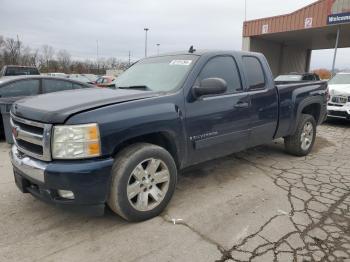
column 292, row 97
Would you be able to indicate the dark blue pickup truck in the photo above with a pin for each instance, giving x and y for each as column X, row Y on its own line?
column 123, row 147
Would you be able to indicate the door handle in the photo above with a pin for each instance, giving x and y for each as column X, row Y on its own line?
column 241, row 105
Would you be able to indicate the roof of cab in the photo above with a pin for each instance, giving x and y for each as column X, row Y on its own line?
column 206, row 52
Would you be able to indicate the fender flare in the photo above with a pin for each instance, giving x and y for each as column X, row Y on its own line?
column 306, row 102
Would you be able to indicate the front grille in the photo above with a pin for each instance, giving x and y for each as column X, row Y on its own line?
column 337, row 105
column 32, row 138
column 338, row 113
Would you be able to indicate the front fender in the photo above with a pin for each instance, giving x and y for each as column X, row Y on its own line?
column 122, row 122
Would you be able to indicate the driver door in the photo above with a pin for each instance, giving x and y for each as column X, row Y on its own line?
column 218, row 125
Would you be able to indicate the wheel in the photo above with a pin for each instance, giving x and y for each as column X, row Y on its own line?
column 143, row 181
column 302, row 142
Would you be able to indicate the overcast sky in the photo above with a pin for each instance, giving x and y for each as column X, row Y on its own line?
column 75, row 25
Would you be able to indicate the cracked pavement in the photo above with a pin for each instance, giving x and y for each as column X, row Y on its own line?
column 257, row 205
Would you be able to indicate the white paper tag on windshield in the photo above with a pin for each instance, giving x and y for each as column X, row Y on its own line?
column 181, row 62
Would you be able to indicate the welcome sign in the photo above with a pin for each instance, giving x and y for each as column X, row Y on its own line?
column 339, row 18
column 339, row 12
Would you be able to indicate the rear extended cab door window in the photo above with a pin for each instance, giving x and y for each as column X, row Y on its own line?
column 28, row 87
column 255, row 75
column 223, row 67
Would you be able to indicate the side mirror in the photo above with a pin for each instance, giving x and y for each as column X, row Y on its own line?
column 210, row 86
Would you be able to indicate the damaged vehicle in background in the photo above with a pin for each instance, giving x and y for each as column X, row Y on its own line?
column 296, row 78
column 339, row 103
column 105, row 81
column 13, row 88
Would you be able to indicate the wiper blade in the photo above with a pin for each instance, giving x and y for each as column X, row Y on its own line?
column 133, row 87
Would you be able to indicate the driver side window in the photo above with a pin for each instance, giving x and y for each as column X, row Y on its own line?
column 223, row 67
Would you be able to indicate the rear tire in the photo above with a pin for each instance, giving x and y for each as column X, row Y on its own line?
column 302, row 141
column 144, row 178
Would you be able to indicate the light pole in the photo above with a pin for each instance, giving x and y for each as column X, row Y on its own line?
column 158, row 49
column 97, row 58
column 146, row 30
column 335, row 51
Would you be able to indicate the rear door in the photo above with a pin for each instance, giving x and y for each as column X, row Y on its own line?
column 218, row 125
column 263, row 99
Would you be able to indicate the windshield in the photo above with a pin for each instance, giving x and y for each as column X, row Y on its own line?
column 15, row 71
column 340, row 79
column 289, row 78
column 157, row 74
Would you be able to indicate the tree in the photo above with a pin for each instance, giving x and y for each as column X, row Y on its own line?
column 46, row 59
column 64, row 60
column 47, row 53
column 11, row 51
column 323, row 73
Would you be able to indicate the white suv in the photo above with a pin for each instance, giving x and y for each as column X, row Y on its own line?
column 339, row 103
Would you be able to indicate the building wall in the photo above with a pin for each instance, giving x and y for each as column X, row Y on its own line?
column 295, row 59
column 282, row 59
column 311, row 16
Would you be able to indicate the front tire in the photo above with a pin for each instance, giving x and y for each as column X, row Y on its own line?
column 302, row 142
column 143, row 181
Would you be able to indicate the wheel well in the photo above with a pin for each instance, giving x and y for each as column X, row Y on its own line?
column 161, row 139
column 314, row 110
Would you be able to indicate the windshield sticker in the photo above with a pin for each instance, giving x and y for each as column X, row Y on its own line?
column 181, row 62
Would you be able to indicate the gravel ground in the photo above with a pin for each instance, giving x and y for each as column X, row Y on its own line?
column 258, row 205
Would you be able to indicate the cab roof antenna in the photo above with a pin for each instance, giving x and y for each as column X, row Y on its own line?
column 191, row 50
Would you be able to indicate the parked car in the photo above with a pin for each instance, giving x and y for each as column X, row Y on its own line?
column 13, row 88
column 124, row 146
column 339, row 103
column 296, row 78
column 58, row 75
column 91, row 77
column 105, row 81
column 15, row 70
column 82, row 78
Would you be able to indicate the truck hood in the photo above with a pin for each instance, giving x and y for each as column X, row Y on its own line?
column 56, row 108
column 339, row 90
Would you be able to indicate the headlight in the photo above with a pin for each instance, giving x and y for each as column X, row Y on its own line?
column 76, row 141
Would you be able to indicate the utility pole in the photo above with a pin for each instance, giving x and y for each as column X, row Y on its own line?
column 335, row 51
column 158, row 49
column 146, row 30
column 245, row 10
column 129, row 58
column 97, row 58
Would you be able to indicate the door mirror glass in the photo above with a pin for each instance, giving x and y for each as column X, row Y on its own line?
column 210, row 86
